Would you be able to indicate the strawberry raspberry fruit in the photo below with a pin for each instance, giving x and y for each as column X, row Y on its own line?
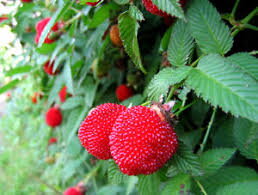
column 140, row 142
column 123, row 92
column 93, row 3
column 53, row 117
column 95, row 129
column 36, row 96
column 52, row 140
column 49, row 68
column 40, row 27
column 63, row 94
column 115, row 36
column 26, row 1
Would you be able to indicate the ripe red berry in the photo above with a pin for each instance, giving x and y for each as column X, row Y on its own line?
column 140, row 142
column 3, row 18
column 95, row 129
column 52, row 140
column 93, row 3
column 63, row 94
column 123, row 92
column 53, row 117
column 48, row 68
column 35, row 97
column 26, row 1
column 40, row 27
column 73, row 191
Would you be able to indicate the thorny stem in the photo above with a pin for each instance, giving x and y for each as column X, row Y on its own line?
column 201, row 187
column 235, row 8
column 202, row 146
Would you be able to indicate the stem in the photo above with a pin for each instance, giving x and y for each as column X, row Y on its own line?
column 185, row 107
column 250, row 16
column 49, row 186
column 196, row 61
column 201, row 187
column 235, row 8
column 146, row 103
column 202, row 146
column 255, row 52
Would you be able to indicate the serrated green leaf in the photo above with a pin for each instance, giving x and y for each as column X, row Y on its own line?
column 161, row 82
column 179, row 184
column 227, row 176
column 131, row 183
column 128, row 28
column 148, row 184
column 214, row 159
column 246, row 63
column 171, row 7
column 115, row 176
column 240, row 188
column 166, row 39
column 46, row 48
column 186, row 161
column 211, row 34
column 58, row 14
column 245, row 137
column 67, row 77
column 136, row 13
column 180, row 45
column 218, row 82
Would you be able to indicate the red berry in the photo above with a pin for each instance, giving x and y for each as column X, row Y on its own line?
column 123, row 92
column 95, row 129
column 48, row 68
column 52, row 140
column 40, row 27
column 140, row 142
column 26, row 1
column 73, row 191
column 93, row 3
column 63, row 94
column 35, row 97
column 53, row 117
column 3, row 18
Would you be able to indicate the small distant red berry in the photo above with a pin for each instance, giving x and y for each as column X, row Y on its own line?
column 52, row 140
column 123, row 92
column 95, row 129
column 140, row 142
column 63, row 94
column 73, row 191
column 93, row 3
column 3, row 18
column 53, row 117
column 26, row 1
column 48, row 68
column 35, row 97
column 40, row 27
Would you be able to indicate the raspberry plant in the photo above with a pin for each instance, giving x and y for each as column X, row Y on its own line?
column 198, row 56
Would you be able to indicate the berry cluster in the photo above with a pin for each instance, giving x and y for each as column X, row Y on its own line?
column 137, row 138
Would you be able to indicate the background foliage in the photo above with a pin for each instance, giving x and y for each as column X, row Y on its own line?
column 205, row 61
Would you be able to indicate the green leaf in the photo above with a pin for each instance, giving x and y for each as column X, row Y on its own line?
column 102, row 14
column 240, row 188
column 171, row 7
column 179, row 184
column 46, row 48
column 246, row 136
column 115, row 176
column 135, row 100
column 166, row 39
column 227, row 176
column 122, row 2
column 9, row 85
column 186, row 161
column 136, row 13
column 58, row 14
column 128, row 28
column 211, row 34
column 67, row 77
column 148, row 184
column 180, row 45
column 161, row 82
column 214, row 159
column 246, row 63
column 72, row 103
column 131, row 183
column 218, row 82
column 18, row 70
